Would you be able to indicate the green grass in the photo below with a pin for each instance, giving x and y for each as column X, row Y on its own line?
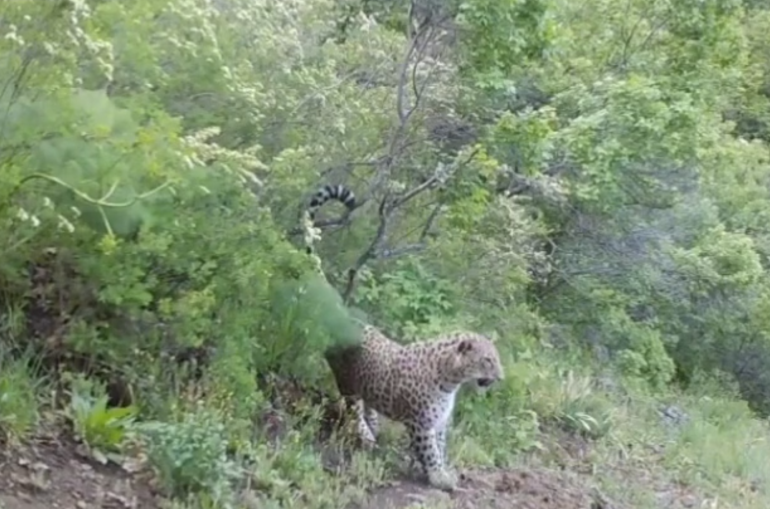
column 20, row 396
column 717, row 455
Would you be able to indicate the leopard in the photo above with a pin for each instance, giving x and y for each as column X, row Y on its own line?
column 415, row 384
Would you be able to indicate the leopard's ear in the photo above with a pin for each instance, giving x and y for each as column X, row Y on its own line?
column 464, row 346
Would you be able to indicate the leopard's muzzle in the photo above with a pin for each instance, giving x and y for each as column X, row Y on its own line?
column 484, row 383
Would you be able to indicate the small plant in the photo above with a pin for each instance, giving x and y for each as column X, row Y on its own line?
column 586, row 424
column 101, row 428
column 568, row 399
column 190, row 456
column 580, row 410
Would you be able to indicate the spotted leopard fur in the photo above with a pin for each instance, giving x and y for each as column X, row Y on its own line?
column 416, row 385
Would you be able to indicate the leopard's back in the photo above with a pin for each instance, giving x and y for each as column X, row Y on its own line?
column 359, row 369
column 397, row 380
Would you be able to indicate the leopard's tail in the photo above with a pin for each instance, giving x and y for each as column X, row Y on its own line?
column 330, row 192
column 327, row 193
column 317, row 306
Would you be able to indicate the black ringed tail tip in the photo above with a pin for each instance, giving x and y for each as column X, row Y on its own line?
column 329, row 192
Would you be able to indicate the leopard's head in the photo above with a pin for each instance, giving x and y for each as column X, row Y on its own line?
column 473, row 357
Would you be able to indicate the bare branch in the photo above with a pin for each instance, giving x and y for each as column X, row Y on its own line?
column 387, row 207
column 396, row 145
column 417, row 49
column 419, row 40
column 401, row 251
column 403, row 74
column 439, row 176
column 422, row 32
column 420, row 245
column 367, row 254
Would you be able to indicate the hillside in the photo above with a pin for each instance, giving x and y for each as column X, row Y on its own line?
column 587, row 182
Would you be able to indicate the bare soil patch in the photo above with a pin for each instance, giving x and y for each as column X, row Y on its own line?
column 50, row 473
column 54, row 473
column 492, row 489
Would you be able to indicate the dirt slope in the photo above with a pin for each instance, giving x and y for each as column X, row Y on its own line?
column 51, row 473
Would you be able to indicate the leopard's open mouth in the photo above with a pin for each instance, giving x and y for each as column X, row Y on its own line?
column 484, row 382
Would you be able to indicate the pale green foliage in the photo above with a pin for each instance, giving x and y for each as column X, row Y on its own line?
column 310, row 312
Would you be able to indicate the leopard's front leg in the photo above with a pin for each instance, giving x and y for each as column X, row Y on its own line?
column 372, row 420
column 441, row 441
column 366, row 434
column 427, row 453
